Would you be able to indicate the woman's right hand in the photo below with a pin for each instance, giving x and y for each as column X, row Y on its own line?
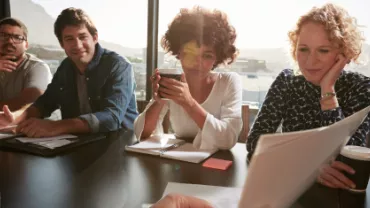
column 155, row 86
column 327, row 83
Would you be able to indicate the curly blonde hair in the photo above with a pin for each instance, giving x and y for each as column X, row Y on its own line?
column 340, row 26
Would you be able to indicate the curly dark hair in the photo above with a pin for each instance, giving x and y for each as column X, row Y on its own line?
column 208, row 27
column 73, row 17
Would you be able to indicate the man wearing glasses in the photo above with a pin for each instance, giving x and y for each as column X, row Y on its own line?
column 23, row 77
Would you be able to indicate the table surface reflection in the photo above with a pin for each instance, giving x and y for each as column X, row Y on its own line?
column 102, row 174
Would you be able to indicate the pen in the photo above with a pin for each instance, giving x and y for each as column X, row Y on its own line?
column 173, row 146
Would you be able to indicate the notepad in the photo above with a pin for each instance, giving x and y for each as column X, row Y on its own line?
column 217, row 163
column 167, row 146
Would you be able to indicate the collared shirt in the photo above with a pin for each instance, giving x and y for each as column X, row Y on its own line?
column 294, row 103
column 83, row 97
column 84, row 103
column 110, row 90
column 30, row 73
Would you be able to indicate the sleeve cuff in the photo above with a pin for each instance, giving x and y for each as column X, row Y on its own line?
column 333, row 113
column 140, row 121
column 92, row 121
column 206, row 141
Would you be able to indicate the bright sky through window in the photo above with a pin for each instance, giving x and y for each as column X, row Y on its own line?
column 259, row 23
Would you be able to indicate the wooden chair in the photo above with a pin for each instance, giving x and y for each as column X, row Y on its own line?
column 245, row 129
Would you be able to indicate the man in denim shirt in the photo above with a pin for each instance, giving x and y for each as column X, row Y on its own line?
column 93, row 87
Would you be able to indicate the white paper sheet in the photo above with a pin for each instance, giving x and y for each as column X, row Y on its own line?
column 43, row 139
column 184, row 151
column 156, row 142
column 52, row 144
column 280, row 172
column 218, row 196
column 187, row 152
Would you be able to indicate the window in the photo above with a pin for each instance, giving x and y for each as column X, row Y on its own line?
column 262, row 28
column 121, row 24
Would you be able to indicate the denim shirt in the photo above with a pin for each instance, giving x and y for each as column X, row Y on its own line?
column 111, row 92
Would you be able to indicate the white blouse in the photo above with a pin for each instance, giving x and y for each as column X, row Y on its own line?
column 223, row 122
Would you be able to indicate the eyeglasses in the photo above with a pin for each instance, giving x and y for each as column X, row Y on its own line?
column 15, row 38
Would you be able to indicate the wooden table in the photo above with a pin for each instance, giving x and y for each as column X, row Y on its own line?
column 101, row 174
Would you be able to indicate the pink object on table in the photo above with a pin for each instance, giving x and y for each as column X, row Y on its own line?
column 217, row 163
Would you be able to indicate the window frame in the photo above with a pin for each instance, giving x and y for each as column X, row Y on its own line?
column 152, row 44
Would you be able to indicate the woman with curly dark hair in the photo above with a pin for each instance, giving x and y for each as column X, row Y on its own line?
column 205, row 105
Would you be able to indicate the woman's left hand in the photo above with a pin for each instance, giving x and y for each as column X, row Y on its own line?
column 328, row 81
column 177, row 91
column 331, row 175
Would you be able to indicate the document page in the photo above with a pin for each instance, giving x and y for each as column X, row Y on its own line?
column 218, row 196
column 278, row 174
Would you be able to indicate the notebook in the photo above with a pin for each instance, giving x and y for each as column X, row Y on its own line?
column 167, row 146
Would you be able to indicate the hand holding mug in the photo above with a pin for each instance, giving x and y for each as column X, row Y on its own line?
column 155, row 86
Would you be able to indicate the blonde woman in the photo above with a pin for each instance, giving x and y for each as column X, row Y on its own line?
column 323, row 42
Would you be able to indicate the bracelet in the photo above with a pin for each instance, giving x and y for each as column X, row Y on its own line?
column 327, row 95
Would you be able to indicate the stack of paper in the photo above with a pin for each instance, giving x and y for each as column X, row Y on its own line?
column 49, row 142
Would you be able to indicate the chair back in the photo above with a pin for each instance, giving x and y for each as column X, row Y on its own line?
column 245, row 129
